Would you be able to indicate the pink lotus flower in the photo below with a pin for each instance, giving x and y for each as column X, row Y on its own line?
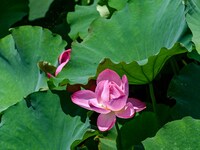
column 63, row 60
column 110, row 99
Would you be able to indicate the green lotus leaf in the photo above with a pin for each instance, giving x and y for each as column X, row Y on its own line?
column 138, row 73
column 89, row 134
column 19, row 54
column 80, row 20
column 193, row 21
column 194, row 55
column 38, row 9
column 179, row 134
column 117, row 4
column 132, row 40
column 11, row 11
column 139, row 128
column 40, row 123
column 109, row 141
column 185, row 89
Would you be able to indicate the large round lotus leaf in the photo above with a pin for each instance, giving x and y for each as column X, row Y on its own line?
column 185, row 89
column 147, row 27
column 19, row 54
column 40, row 124
column 193, row 21
column 141, row 74
column 38, row 9
column 180, row 134
column 136, row 73
column 11, row 11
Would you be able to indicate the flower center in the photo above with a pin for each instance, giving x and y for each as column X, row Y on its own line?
column 114, row 91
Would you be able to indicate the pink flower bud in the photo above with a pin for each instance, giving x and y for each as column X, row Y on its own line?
column 63, row 60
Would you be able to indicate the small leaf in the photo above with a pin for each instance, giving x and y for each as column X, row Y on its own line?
column 180, row 134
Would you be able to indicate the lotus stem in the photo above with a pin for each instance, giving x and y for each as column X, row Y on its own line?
column 174, row 66
column 119, row 136
column 153, row 99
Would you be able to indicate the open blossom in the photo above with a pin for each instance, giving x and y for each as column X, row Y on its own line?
column 110, row 99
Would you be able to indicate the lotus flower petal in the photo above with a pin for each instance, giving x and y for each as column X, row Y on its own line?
column 115, row 91
column 110, row 76
column 49, row 75
column 106, row 121
column 137, row 104
column 125, row 86
column 102, row 91
column 63, row 60
column 59, row 68
column 64, row 56
column 83, row 97
column 117, row 104
column 95, row 106
column 127, row 112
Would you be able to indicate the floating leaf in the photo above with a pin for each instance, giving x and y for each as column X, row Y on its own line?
column 38, row 9
column 42, row 125
column 19, row 54
column 185, row 89
column 129, row 40
column 180, row 134
column 193, row 21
